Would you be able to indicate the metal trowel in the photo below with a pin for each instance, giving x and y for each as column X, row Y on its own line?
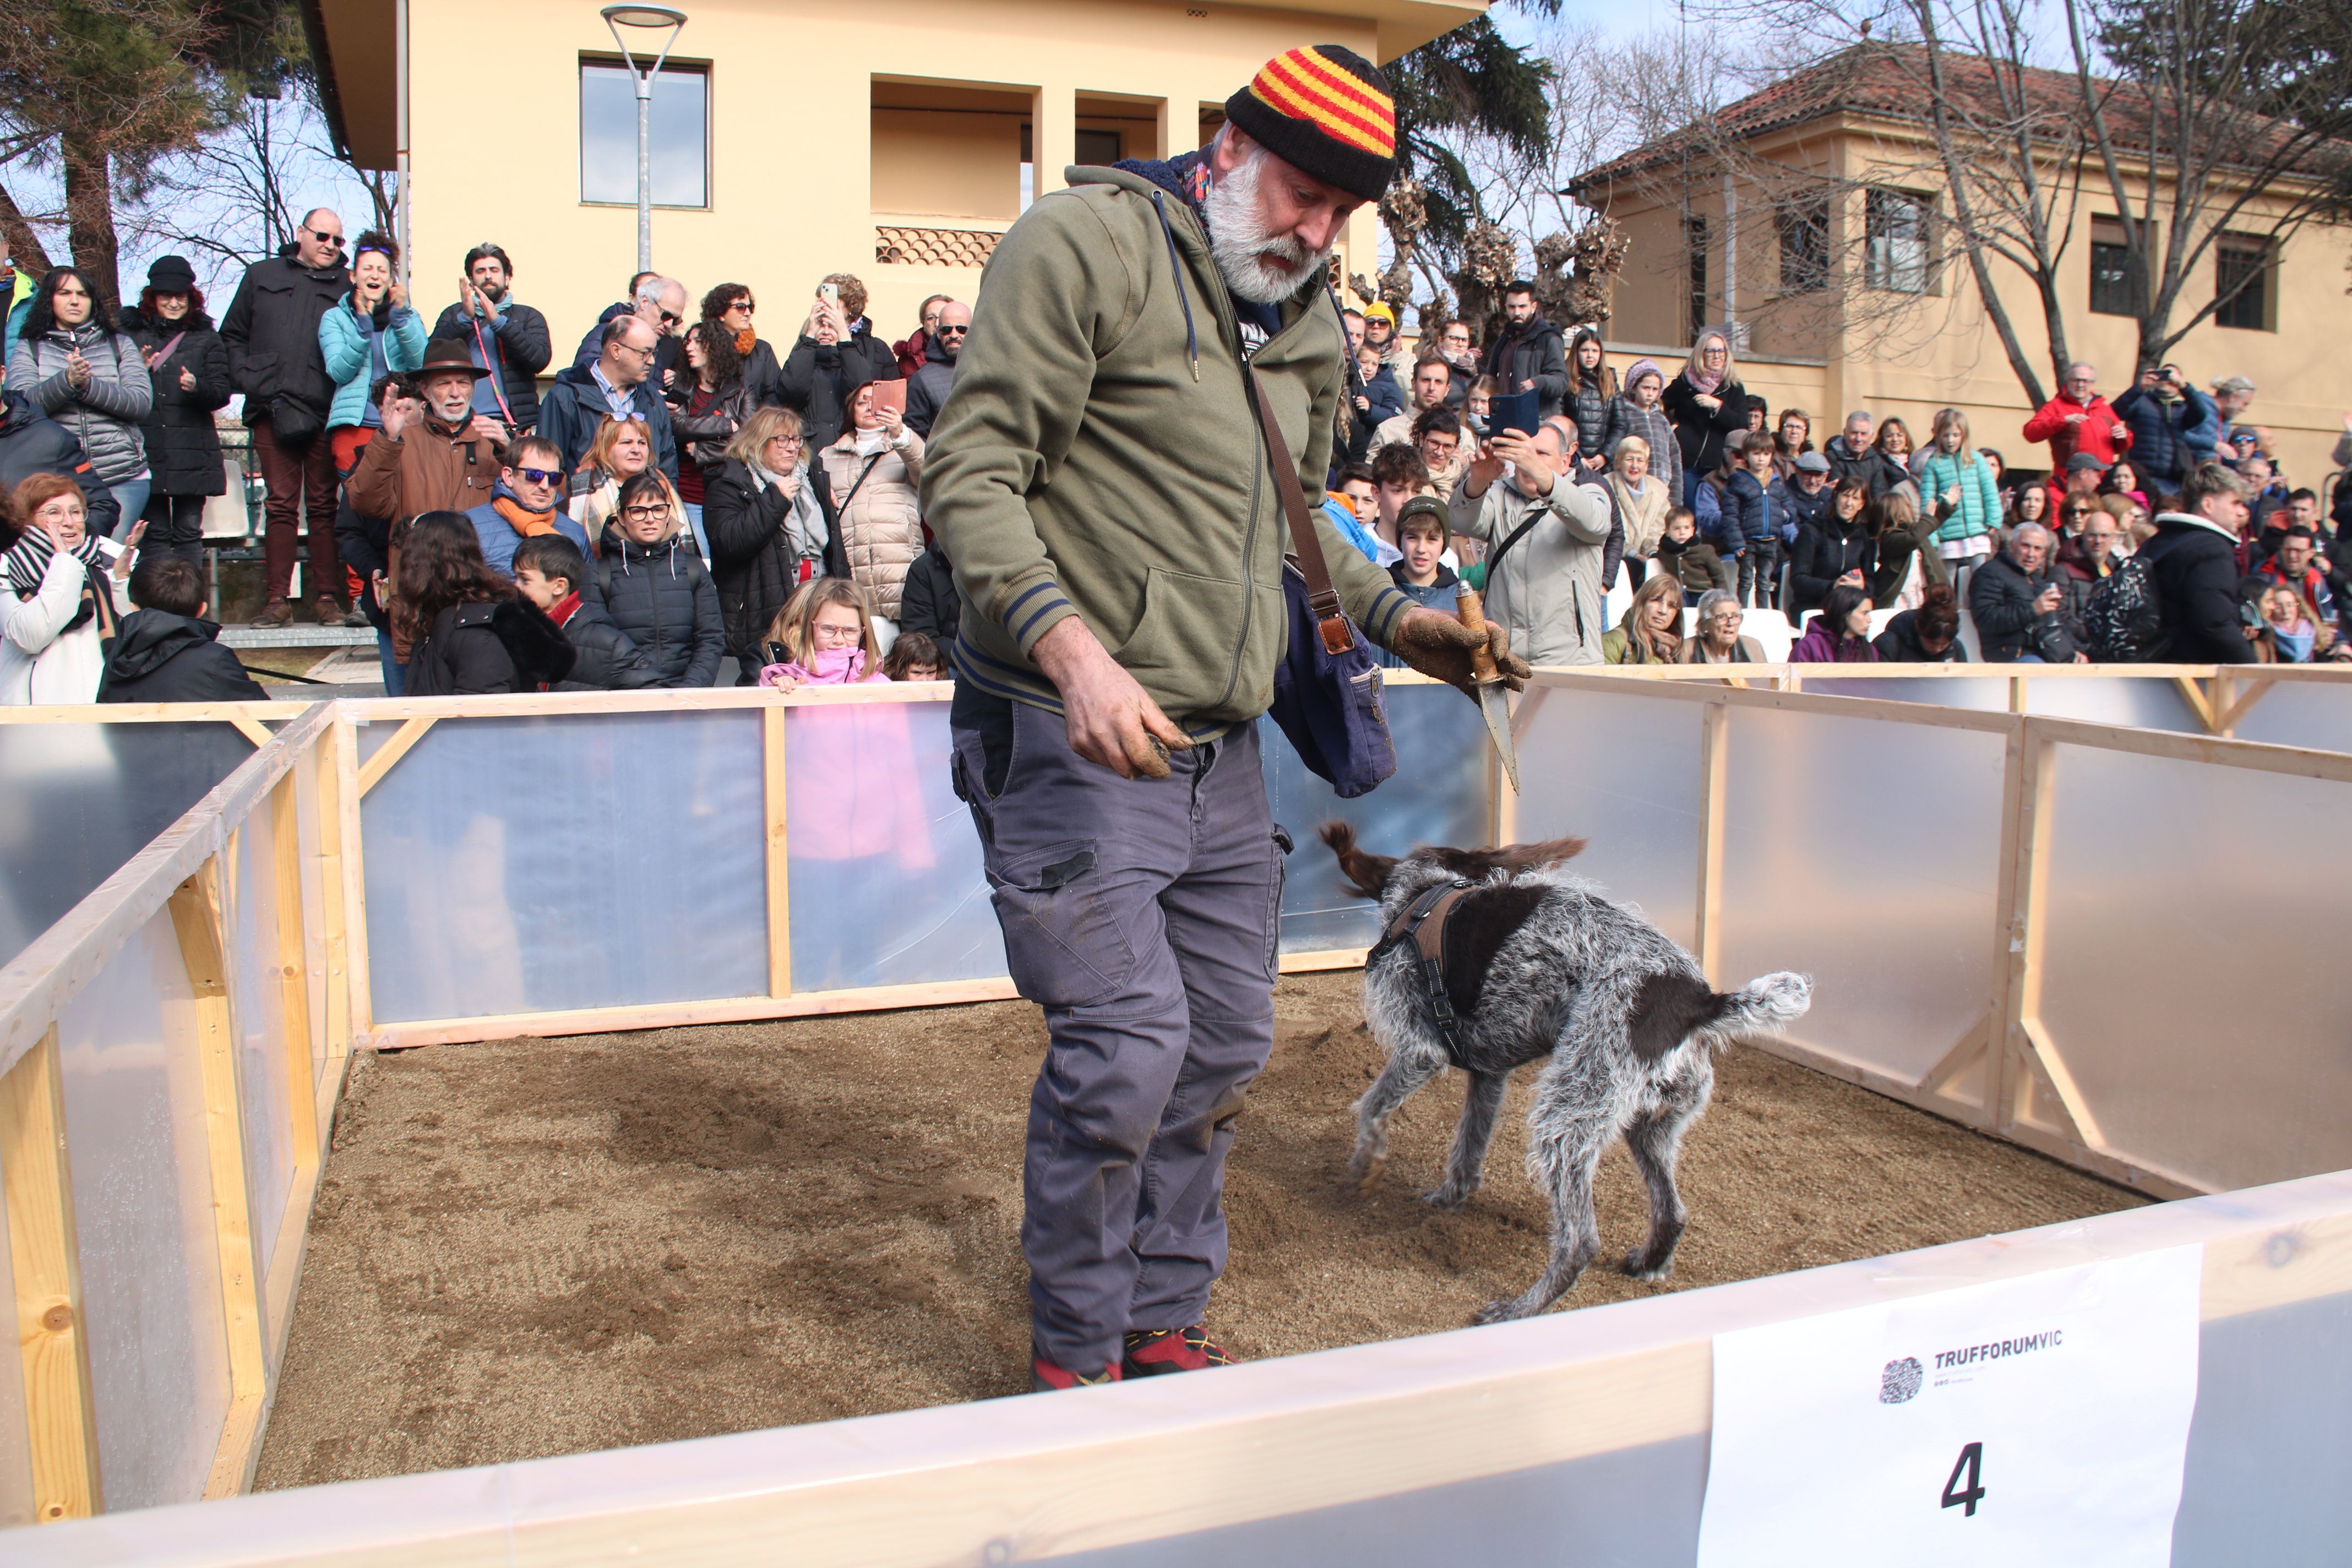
column 1493, row 696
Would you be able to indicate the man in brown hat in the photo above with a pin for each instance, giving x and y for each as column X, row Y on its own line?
column 445, row 458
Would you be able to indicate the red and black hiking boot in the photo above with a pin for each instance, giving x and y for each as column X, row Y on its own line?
column 1044, row 1376
column 1151, row 1351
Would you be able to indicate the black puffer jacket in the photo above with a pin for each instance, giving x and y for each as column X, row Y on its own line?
column 1593, row 404
column 184, row 449
column 271, row 330
column 1899, row 644
column 819, row 378
column 928, row 602
column 523, row 349
column 2195, row 565
column 32, row 443
column 606, row 659
column 1533, row 352
column 1699, row 433
column 752, row 557
column 472, row 649
column 926, row 393
column 159, row 657
column 2001, row 600
column 1825, row 551
column 662, row 596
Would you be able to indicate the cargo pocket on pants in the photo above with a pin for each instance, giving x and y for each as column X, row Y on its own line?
column 1062, row 942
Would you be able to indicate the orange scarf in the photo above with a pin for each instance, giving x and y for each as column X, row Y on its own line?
column 521, row 519
column 744, row 340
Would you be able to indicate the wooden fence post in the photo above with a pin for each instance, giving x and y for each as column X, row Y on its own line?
column 200, row 919
column 780, row 878
column 1714, row 760
column 46, row 1260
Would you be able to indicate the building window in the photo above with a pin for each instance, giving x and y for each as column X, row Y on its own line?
column 1100, row 148
column 680, row 136
column 1805, row 245
column 2110, row 271
column 1694, row 241
column 1895, row 242
column 2241, row 282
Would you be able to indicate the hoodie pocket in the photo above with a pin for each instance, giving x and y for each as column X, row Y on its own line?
column 1203, row 643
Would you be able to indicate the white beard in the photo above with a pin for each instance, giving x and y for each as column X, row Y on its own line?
column 1240, row 240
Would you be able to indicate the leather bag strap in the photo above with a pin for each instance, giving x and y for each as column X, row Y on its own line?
column 1338, row 632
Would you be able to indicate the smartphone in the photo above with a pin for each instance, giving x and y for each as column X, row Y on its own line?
column 1520, row 411
column 892, row 395
column 829, row 292
column 774, row 653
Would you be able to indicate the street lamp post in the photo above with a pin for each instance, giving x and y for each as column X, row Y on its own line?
column 672, row 22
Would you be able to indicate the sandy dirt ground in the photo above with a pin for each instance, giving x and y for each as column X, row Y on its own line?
column 531, row 1248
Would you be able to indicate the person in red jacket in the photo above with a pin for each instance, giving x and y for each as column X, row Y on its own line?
column 2078, row 420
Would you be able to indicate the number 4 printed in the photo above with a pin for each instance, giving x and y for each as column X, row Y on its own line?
column 1969, row 1464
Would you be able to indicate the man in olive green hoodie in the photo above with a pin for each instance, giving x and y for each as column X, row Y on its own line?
column 1101, row 481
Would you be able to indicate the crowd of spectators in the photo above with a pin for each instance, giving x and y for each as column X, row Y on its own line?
column 686, row 500
column 2160, row 529
column 683, row 502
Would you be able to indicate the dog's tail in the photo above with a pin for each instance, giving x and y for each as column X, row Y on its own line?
column 1367, row 873
column 1762, row 1006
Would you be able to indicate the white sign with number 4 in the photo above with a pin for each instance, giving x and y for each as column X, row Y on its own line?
column 2040, row 1420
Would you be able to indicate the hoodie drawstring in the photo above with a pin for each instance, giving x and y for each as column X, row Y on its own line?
column 1191, row 339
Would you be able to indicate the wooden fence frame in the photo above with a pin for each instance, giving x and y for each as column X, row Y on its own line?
column 285, row 793
column 302, row 790
column 2027, row 1096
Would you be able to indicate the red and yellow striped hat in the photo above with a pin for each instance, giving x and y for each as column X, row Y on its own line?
column 1326, row 109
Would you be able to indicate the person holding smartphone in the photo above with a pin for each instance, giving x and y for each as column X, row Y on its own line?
column 63, row 591
column 2174, row 427
column 872, row 472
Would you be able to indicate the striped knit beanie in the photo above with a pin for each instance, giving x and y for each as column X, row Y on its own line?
column 1326, row 111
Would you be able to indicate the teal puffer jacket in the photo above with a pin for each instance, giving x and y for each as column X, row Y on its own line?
column 345, row 341
column 1979, row 509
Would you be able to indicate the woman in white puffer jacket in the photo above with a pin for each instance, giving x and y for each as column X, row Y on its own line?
column 58, row 600
column 873, row 472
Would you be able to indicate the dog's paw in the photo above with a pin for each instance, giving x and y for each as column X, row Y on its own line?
column 1637, row 1264
column 1364, row 1170
column 1448, row 1196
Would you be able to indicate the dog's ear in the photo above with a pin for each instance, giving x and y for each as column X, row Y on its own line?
column 1369, row 873
column 1477, row 865
column 1518, row 858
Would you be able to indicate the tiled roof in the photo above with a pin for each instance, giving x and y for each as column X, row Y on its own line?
column 934, row 247
column 1882, row 80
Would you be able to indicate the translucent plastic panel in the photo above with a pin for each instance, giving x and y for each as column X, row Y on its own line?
column 1865, row 854
column 144, row 1215
column 2138, row 701
column 1620, row 772
column 2316, row 714
column 259, row 1005
column 1437, row 795
column 542, row 863
column 2189, row 980
column 83, row 798
column 368, row 735
column 887, row 886
column 1984, row 693
column 16, row 1438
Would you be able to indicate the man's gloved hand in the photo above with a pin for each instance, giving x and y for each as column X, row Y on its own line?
column 1439, row 646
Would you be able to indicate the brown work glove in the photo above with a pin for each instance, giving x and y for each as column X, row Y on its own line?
column 1439, row 646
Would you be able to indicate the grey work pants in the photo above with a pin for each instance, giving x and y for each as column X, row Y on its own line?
column 1140, row 914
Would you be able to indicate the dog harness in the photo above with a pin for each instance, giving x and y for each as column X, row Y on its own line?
column 1423, row 924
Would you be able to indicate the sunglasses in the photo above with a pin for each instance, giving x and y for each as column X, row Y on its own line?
column 743, row 305
column 537, row 476
column 956, row 331
column 331, row 241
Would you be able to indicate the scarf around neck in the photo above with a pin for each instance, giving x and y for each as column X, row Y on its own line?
column 521, row 519
column 746, row 339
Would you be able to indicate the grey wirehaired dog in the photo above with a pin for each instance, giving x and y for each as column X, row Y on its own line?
column 1536, row 963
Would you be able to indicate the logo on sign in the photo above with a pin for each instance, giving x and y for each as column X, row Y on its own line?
column 1900, row 1382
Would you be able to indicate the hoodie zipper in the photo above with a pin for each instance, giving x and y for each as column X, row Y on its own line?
column 1228, row 323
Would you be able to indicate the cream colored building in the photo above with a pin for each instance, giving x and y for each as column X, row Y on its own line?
column 1897, row 326
column 793, row 138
